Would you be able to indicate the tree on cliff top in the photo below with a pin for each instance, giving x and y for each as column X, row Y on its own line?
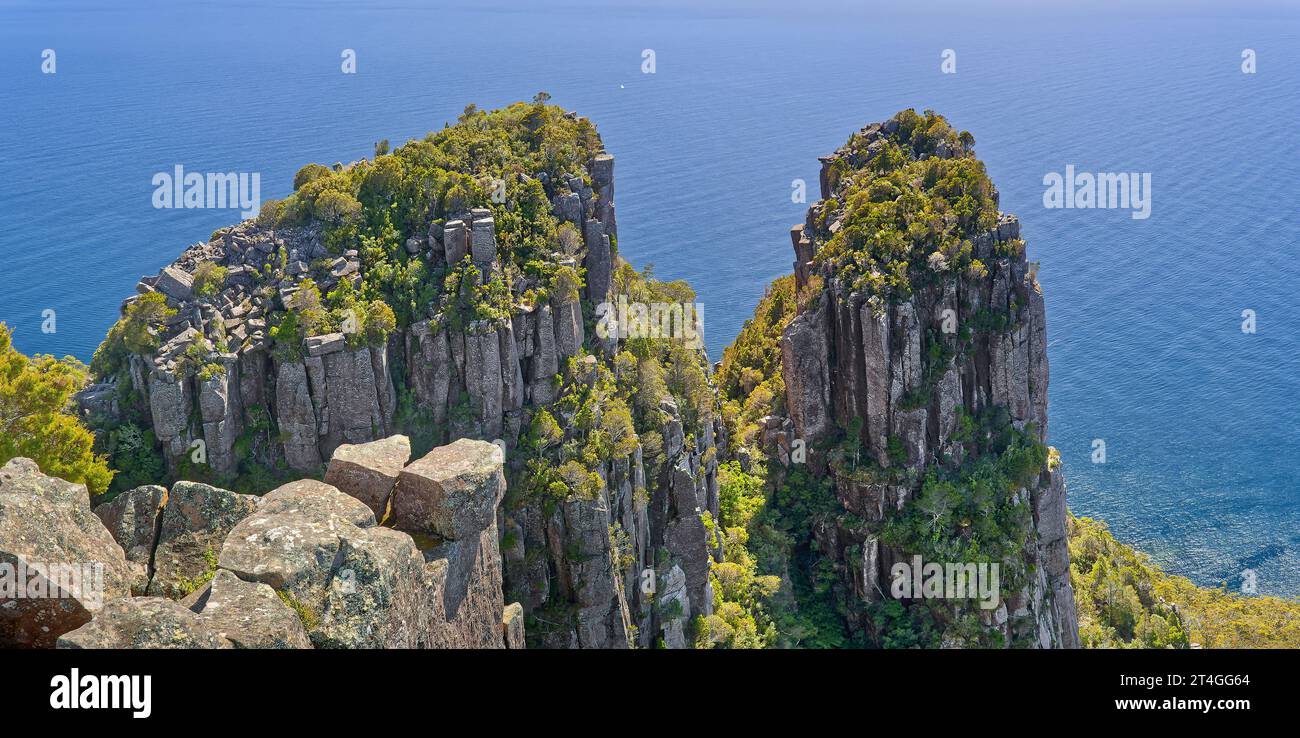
column 34, row 395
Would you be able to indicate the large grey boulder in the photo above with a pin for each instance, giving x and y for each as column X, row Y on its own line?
column 250, row 615
column 452, row 492
column 195, row 521
column 144, row 622
column 352, row 584
column 368, row 471
column 70, row 562
column 175, row 283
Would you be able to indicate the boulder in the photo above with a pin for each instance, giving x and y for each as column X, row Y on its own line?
column 327, row 344
column 368, row 471
column 195, row 521
column 452, row 492
column 175, row 283
column 58, row 563
column 352, row 584
column 144, row 622
column 251, row 615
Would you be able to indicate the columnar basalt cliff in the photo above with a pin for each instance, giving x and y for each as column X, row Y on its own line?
column 444, row 290
column 920, row 339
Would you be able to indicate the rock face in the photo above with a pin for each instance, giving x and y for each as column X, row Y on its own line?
column 368, row 471
column 250, row 615
column 134, row 519
column 59, row 565
column 195, row 521
column 144, row 622
column 847, row 357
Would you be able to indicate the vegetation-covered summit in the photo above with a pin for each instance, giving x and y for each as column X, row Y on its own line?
column 907, row 199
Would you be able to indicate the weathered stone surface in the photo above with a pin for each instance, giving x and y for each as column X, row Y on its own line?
column 686, row 538
column 144, row 622
column 251, row 615
column 876, row 347
column 368, row 471
column 352, row 398
column 483, row 381
column 48, row 533
column 483, row 244
column 568, row 327
column 599, row 261
column 452, row 492
column 602, row 619
column 279, row 545
column 296, row 416
column 674, row 608
column 512, row 625
column 330, row 343
column 133, row 519
column 170, row 401
column 354, row 585
column 385, row 392
column 195, row 522
column 545, row 359
column 221, row 415
column 455, row 241
column 804, row 356
column 429, row 357
column 175, row 283
column 465, row 591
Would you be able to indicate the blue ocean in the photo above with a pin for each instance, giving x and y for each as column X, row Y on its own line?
column 1200, row 420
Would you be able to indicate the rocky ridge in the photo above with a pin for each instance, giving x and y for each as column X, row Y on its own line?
column 250, row 404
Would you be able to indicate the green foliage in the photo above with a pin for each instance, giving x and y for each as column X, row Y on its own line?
column 973, row 513
column 35, row 417
column 740, row 618
column 306, row 615
column 309, row 174
column 134, row 333
column 209, row 278
column 750, row 382
column 189, row 585
column 133, row 456
column 1125, row 601
column 904, row 204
